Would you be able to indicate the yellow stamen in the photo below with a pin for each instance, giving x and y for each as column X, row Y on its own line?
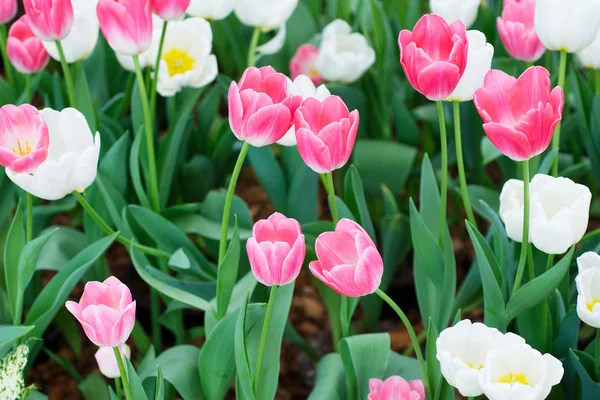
column 22, row 150
column 511, row 378
column 178, row 61
column 470, row 365
column 591, row 304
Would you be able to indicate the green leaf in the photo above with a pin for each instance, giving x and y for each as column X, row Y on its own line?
column 83, row 99
column 302, row 196
column 94, row 387
column 590, row 390
column 135, row 383
column 406, row 367
column 426, row 246
column 354, row 197
column 331, row 382
column 64, row 244
column 269, row 174
column 159, row 393
column 179, row 260
column 227, row 273
column 9, row 333
column 15, row 242
column 242, row 362
column 134, row 168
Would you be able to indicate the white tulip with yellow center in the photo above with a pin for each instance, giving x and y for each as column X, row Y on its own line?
column 72, row 161
column 514, row 370
column 588, row 289
column 186, row 60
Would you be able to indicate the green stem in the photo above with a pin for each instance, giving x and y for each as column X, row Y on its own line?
column 525, row 237
column 230, row 191
column 530, row 262
column 106, row 228
column 66, row 73
column 330, row 188
column 444, row 181
column 461, row 166
column 252, row 48
column 597, row 80
column 5, row 61
column 411, row 349
column 29, row 217
column 549, row 262
column 345, row 311
column 123, row 373
column 157, row 66
column 154, row 193
column 118, row 387
column 412, row 335
column 597, row 355
column 263, row 338
column 562, row 70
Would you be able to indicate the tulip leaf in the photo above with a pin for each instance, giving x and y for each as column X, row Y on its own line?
column 179, row 260
column 9, row 333
column 538, row 289
column 159, row 393
column 93, row 387
column 434, row 374
column 242, row 361
column 582, row 363
column 270, row 175
column 354, row 196
column 83, row 99
column 331, row 381
column 426, row 246
column 134, row 168
column 303, row 195
column 15, row 243
column 227, row 273
column 135, row 383
column 406, row 367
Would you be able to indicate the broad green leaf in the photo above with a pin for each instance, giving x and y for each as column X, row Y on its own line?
column 242, row 361
column 331, row 381
column 434, row 374
column 83, row 99
column 94, row 387
column 406, row 367
column 302, row 196
column 354, row 197
column 179, row 260
column 426, row 246
column 205, row 227
column 590, row 390
column 9, row 333
column 269, row 174
column 15, row 243
column 227, row 274
column 566, row 336
column 64, row 244
column 159, row 393
column 134, row 168
column 135, row 383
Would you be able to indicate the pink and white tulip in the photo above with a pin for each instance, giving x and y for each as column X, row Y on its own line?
column 170, row 10
column 348, row 260
column 517, row 30
column 325, row 133
column 8, row 10
column 24, row 138
column 396, row 388
column 50, row 20
column 260, row 109
column 304, row 63
column 107, row 362
column 519, row 115
column 276, row 250
column 106, row 312
column 126, row 25
column 25, row 51
column 434, row 55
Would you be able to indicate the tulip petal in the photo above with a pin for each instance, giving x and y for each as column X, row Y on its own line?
column 369, row 271
column 343, row 276
column 438, row 80
column 434, row 36
column 267, row 125
column 512, row 143
column 532, row 87
column 258, row 262
column 293, row 261
column 122, row 327
column 335, row 248
column 332, row 109
column 313, row 151
column 101, row 319
column 492, row 101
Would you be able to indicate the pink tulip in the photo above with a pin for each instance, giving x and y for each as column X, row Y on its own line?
column 25, row 51
column 303, row 63
column 276, row 250
column 126, row 25
column 325, row 132
column 348, row 261
column 434, row 55
column 396, row 388
column 517, row 30
column 260, row 110
column 170, row 10
column 519, row 115
column 105, row 311
column 107, row 362
column 24, row 138
column 50, row 20
column 8, row 10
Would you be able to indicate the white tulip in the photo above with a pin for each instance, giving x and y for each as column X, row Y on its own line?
column 72, row 157
column 514, row 370
column 588, row 289
column 451, row 10
column 302, row 86
column 511, row 209
column 273, row 45
column 82, row 39
column 343, row 56
column 211, row 9
column 186, row 60
column 107, row 362
column 265, row 14
column 590, row 56
column 461, row 351
column 564, row 25
column 588, row 260
column 145, row 59
column 479, row 62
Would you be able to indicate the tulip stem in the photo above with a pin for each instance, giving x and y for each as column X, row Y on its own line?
column 29, row 217
column 444, row 181
column 228, row 200
column 106, row 228
column 461, row 165
column 157, row 66
column 252, row 48
column 154, row 193
column 66, row 73
column 525, row 237
column 562, row 71
column 597, row 80
column 263, row 338
column 27, row 88
column 123, row 373
column 597, row 354
column 530, row 262
column 411, row 334
column 118, row 387
column 330, row 188
column 5, row 61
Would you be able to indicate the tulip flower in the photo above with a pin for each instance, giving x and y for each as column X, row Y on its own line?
column 561, row 25
column 50, row 20
column 434, row 56
column 462, row 350
column 185, row 59
column 347, row 260
column 126, row 25
column 451, row 10
column 8, row 10
column 325, row 132
column 72, row 159
column 302, row 86
column 210, row 9
column 303, row 63
column 396, row 388
column 276, row 250
column 106, row 312
column 107, row 362
column 590, row 56
column 588, row 289
column 260, row 109
column 344, row 56
column 588, row 260
column 25, row 51
column 273, row 45
column 170, row 10
column 145, row 59
column 82, row 39
column 517, row 30
column 265, row 14
column 479, row 62
column 519, row 115
column 514, row 370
